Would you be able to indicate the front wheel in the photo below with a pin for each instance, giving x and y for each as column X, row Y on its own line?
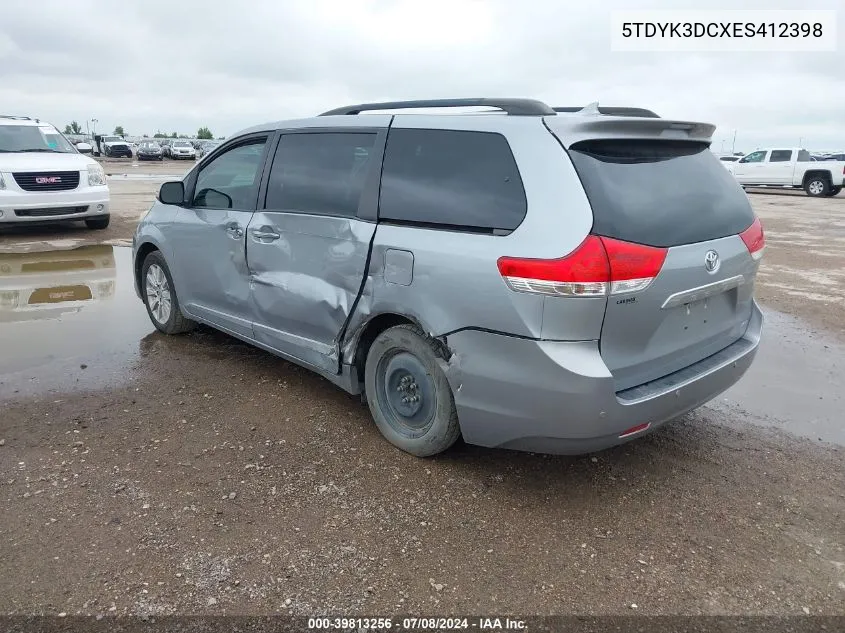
column 160, row 297
column 817, row 186
column 408, row 394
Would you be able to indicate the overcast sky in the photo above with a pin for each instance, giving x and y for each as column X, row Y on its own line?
column 180, row 64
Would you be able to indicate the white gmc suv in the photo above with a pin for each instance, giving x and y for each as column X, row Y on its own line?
column 44, row 179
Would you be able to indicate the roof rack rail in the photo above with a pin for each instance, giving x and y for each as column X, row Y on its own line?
column 16, row 118
column 612, row 111
column 517, row 107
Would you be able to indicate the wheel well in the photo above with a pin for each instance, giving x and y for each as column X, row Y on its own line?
column 374, row 327
column 144, row 250
column 818, row 172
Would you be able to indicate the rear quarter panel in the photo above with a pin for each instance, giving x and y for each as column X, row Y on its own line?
column 455, row 281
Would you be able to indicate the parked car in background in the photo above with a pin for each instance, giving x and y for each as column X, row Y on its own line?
column 793, row 168
column 44, row 179
column 149, row 150
column 370, row 239
column 207, row 147
column 182, row 149
column 115, row 147
column 165, row 147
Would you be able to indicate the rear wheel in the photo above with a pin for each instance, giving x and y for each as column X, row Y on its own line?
column 408, row 394
column 817, row 186
column 160, row 297
column 98, row 224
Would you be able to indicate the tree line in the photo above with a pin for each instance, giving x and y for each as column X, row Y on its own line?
column 203, row 133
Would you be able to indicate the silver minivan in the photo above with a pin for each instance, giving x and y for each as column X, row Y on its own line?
column 557, row 280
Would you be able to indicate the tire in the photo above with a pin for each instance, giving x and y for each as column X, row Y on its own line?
column 834, row 191
column 401, row 364
column 175, row 322
column 817, row 186
column 98, row 224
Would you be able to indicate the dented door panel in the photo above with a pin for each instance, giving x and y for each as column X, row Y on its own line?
column 307, row 265
column 304, row 283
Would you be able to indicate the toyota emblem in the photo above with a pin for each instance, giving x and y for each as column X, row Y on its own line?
column 711, row 261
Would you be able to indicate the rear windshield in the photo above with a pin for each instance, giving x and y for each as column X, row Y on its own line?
column 660, row 193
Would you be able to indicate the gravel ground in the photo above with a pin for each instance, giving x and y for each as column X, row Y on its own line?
column 196, row 474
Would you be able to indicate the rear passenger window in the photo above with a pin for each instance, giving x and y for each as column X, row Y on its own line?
column 451, row 179
column 804, row 156
column 780, row 156
column 320, row 173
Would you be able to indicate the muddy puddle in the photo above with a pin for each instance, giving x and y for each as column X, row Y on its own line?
column 794, row 384
column 143, row 177
column 70, row 319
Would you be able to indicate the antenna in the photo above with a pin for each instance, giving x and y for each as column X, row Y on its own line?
column 590, row 110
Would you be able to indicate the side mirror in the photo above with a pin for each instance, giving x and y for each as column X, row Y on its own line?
column 172, row 193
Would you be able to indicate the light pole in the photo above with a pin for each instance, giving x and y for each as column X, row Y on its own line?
column 94, row 126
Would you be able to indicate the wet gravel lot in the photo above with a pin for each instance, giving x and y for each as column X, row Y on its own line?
column 153, row 475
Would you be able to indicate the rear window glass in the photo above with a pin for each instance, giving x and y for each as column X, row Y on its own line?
column 451, row 179
column 659, row 193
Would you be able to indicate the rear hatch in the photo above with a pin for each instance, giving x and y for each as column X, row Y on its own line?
column 683, row 247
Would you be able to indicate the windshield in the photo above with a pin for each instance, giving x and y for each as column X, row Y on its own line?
column 31, row 138
column 181, row 144
column 111, row 139
column 149, row 145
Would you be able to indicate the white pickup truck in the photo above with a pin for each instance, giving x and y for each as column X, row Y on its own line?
column 789, row 168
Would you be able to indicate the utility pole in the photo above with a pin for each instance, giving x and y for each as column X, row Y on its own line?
column 733, row 145
column 94, row 126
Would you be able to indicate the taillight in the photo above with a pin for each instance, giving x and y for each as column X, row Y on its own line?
column 754, row 239
column 599, row 266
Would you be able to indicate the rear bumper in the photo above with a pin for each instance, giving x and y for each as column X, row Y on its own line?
column 559, row 397
column 26, row 207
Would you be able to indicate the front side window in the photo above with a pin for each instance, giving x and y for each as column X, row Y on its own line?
column 452, row 179
column 320, row 173
column 754, row 157
column 780, row 156
column 230, row 181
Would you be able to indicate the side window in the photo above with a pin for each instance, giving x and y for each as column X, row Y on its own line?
column 780, row 156
column 321, row 173
column 804, row 156
column 458, row 179
column 230, row 181
column 754, row 157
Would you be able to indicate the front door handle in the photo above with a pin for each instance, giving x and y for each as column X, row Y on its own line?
column 270, row 236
